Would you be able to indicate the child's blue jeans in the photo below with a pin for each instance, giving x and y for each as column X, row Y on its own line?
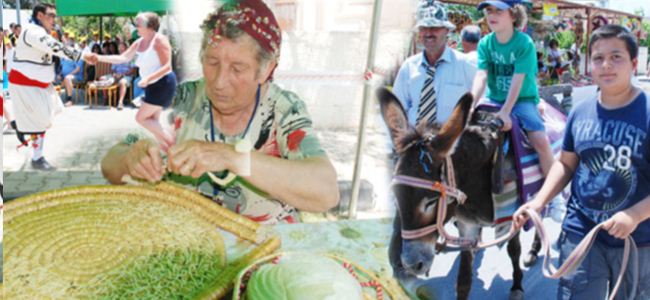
column 598, row 273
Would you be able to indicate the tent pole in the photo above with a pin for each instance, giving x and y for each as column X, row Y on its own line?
column 101, row 30
column 18, row 12
column 638, row 41
column 589, row 29
column 367, row 92
column 168, row 22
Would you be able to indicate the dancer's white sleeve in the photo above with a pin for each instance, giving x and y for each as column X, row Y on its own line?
column 39, row 39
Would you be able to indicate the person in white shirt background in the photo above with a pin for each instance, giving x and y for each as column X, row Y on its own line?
column 470, row 35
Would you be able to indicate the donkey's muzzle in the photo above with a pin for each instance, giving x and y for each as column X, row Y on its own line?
column 417, row 257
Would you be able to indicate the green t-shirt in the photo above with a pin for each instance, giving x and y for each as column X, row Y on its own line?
column 502, row 61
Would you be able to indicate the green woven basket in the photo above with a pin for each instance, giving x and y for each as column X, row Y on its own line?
column 123, row 242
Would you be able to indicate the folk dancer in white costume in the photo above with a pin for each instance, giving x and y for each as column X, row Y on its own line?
column 34, row 98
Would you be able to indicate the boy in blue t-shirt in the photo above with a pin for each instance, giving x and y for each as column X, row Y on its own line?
column 606, row 155
column 507, row 63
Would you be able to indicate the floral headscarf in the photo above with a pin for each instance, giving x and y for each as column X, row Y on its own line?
column 252, row 17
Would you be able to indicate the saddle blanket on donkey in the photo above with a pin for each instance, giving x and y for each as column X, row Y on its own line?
column 525, row 164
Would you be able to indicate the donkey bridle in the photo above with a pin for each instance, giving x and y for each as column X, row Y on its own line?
column 446, row 187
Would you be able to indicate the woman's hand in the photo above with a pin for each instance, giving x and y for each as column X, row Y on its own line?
column 144, row 161
column 194, row 158
column 143, row 83
column 91, row 58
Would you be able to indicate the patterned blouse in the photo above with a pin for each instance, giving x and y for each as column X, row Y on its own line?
column 281, row 127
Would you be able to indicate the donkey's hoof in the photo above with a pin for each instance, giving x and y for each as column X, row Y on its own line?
column 516, row 295
column 530, row 259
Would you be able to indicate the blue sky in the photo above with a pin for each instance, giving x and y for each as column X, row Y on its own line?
column 631, row 5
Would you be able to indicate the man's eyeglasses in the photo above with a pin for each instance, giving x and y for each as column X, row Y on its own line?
column 50, row 15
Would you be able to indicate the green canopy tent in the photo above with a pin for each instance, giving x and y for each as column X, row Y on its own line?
column 102, row 8
column 110, row 7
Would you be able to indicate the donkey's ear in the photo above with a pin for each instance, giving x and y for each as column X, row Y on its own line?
column 453, row 128
column 393, row 114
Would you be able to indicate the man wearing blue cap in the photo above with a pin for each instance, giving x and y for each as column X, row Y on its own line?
column 501, row 5
column 430, row 83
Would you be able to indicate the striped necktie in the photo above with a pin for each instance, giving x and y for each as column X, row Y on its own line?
column 428, row 110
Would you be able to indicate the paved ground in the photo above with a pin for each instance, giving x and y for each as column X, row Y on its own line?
column 75, row 145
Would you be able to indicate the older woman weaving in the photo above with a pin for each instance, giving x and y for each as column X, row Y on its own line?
column 236, row 120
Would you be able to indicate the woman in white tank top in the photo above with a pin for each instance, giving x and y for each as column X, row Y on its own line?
column 152, row 54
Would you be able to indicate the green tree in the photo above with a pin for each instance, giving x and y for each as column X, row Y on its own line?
column 565, row 39
column 473, row 13
column 646, row 28
column 84, row 26
column 639, row 12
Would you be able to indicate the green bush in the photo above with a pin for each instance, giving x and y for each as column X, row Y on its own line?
column 565, row 39
column 84, row 26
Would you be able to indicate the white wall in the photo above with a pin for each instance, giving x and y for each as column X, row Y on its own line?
column 643, row 61
column 323, row 57
column 9, row 16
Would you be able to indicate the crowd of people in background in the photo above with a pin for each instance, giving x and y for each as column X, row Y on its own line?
column 552, row 61
column 50, row 64
column 555, row 64
column 72, row 75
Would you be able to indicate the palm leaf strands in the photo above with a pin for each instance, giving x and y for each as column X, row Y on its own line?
column 108, row 242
